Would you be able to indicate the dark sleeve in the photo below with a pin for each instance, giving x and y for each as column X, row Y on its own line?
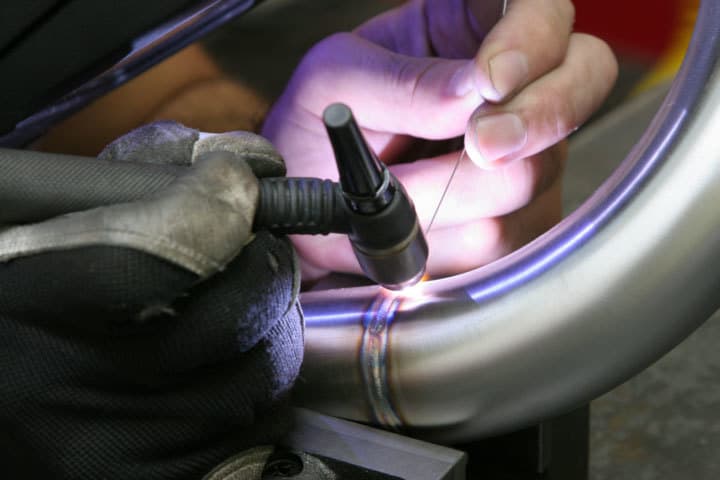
column 47, row 47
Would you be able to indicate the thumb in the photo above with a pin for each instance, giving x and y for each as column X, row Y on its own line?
column 429, row 98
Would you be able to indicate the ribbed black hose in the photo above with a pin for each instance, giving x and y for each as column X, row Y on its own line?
column 36, row 186
column 301, row 205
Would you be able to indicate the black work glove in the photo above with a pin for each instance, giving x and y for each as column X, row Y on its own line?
column 150, row 340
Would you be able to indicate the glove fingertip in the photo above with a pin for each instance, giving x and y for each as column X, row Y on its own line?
column 163, row 142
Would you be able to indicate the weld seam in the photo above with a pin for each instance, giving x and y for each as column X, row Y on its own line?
column 373, row 360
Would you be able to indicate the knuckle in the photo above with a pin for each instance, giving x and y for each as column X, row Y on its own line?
column 487, row 239
column 595, row 64
column 565, row 120
column 567, row 11
column 546, row 27
column 552, row 31
column 562, row 113
column 404, row 75
column 561, row 14
column 602, row 55
column 554, row 112
column 408, row 77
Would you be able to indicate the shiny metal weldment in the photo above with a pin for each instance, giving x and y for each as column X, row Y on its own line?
column 584, row 307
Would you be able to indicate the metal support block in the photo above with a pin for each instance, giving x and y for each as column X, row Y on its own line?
column 376, row 450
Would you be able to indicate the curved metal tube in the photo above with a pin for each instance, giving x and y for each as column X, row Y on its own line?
column 584, row 307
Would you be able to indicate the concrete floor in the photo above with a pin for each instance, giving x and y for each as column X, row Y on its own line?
column 662, row 424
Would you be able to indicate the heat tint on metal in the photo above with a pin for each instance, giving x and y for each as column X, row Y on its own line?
column 147, row 50
column 578, row 311
column 373, row 358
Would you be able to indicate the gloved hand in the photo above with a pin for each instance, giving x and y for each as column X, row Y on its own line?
column 151, row 339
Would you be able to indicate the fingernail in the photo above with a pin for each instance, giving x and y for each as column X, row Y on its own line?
column 508, row 71
column 463, row 82
column 498, row 135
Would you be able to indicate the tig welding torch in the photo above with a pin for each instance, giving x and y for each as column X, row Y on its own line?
column 369, row 205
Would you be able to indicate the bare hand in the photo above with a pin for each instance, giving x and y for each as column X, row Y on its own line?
column 430, row 70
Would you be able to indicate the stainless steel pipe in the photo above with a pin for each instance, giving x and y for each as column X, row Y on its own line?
column 584, row 307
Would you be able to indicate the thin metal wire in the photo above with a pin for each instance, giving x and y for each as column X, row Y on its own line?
column 457, row 163
column 447, row 187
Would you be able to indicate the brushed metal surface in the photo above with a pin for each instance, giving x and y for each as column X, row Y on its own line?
column 584, row 307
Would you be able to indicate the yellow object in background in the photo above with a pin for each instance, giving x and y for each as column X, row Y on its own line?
column 669, row 63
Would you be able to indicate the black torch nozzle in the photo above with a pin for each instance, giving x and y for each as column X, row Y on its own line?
column 369, row 205
column 384, row 229
column 365, row 181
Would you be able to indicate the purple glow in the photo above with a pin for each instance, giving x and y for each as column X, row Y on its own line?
column 503, row 284
column 514, row 273
column 335, row 317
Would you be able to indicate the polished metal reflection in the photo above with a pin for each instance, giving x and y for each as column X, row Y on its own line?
column 587, row 305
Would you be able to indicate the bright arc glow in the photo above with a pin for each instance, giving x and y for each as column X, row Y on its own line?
column 411, row 291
